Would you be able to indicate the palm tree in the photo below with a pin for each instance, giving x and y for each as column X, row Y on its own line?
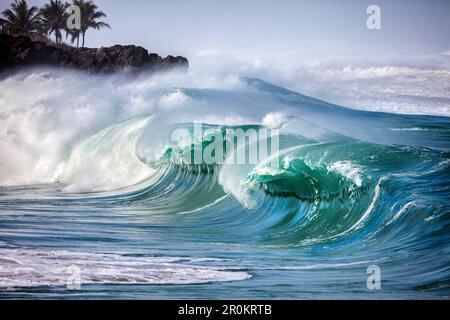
column 3, row 25
column 54, row 18
column 21, row 19
column 89, row 16
column 74, row 35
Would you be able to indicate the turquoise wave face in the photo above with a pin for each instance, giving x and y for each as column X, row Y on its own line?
column 350, row 190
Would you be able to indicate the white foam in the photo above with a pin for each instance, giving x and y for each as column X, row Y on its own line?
column 401, row 211
column 47, row 135
column 409, row 129
column 275, row 120
column 28, row 267
column 348, row 170
column 105, row 161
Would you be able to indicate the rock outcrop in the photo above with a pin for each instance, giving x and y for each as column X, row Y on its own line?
column 17, row 51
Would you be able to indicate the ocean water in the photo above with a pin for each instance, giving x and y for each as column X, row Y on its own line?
column 95, row 202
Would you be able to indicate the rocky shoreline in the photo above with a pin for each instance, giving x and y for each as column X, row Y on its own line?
column 19, row 51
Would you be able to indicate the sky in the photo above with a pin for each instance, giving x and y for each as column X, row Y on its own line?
column 312, row 27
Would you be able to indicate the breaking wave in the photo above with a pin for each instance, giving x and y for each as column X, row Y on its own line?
column 94, row 152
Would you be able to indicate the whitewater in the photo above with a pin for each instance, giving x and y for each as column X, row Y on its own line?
column 92, row 187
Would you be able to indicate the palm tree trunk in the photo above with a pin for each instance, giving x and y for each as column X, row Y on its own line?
column 82, row 43
column 78, row 40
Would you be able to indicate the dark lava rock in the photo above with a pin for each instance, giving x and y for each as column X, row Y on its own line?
column 17, row 51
